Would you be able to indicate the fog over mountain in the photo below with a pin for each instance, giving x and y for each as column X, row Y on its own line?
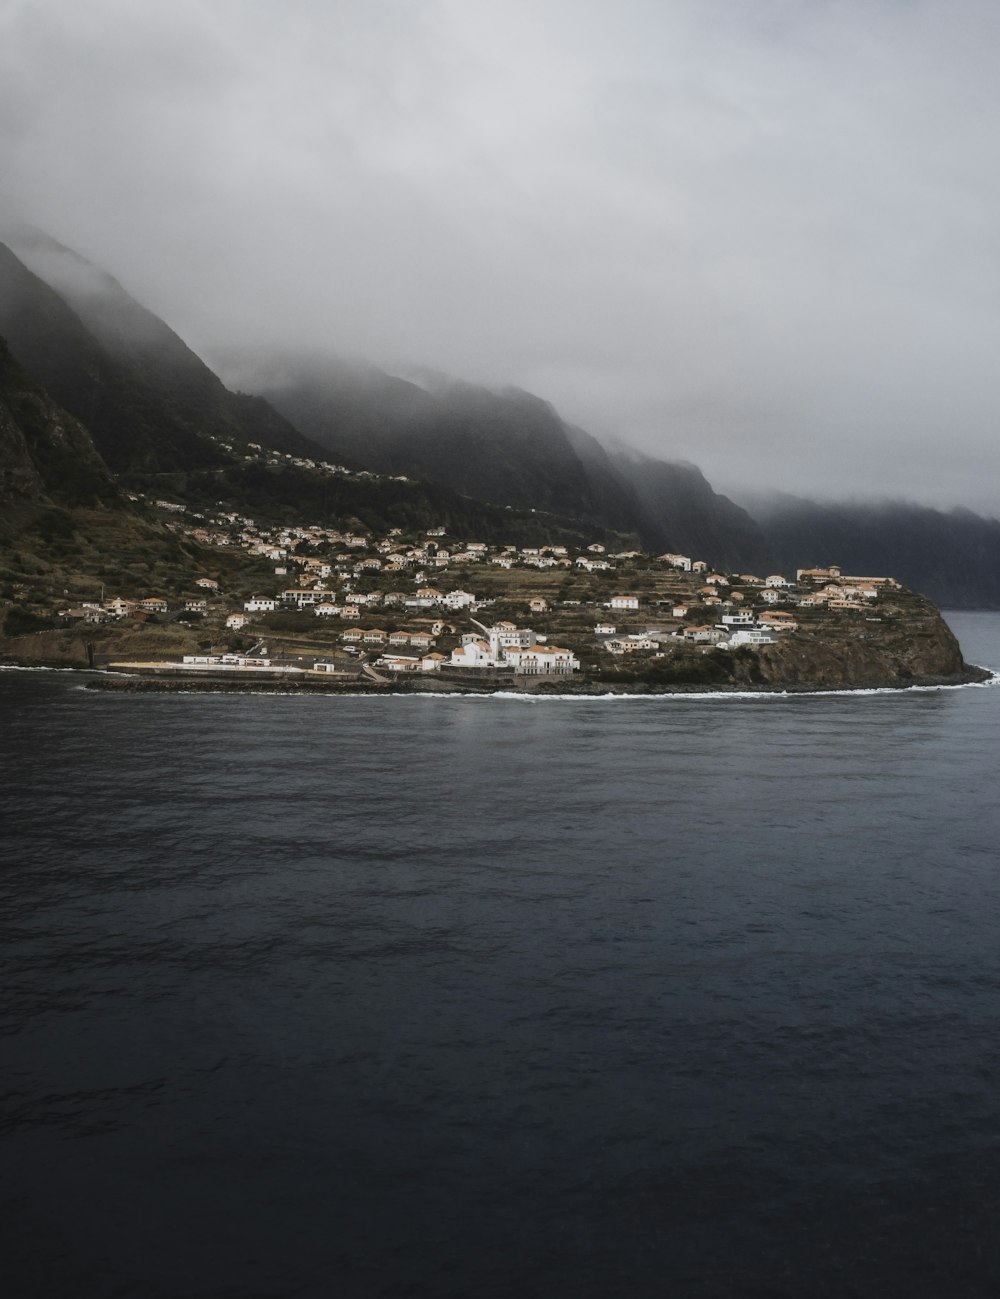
column 756, row 237
column 497, row 463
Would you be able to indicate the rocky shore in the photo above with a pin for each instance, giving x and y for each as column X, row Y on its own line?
column 122, row 684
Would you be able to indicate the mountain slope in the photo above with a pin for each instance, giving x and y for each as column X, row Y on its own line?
column 160, row 417
column 66, row 529
column 155, row 408
column 508, row 447
column 953, row 557
column 46, row 456
column 682, row 512
column 150, row 403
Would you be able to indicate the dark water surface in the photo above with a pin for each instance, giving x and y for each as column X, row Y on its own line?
column 420, row 997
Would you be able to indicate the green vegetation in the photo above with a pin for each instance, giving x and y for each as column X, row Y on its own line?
column 22, row 622
column 683, row 667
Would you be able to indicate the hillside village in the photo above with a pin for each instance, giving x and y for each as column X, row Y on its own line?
column 180, row 528
column 348, row 603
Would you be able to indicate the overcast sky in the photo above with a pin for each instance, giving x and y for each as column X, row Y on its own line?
column 758, row 234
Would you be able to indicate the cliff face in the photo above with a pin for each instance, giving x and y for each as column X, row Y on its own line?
column 45, row 454
column 913, row 648
column 150, row 404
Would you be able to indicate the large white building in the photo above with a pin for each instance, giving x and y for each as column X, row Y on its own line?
column 507, row 646
column 749, row 636
column 538, row 660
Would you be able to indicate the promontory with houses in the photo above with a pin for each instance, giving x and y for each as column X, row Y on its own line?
column 317, row 607
column 165, row 532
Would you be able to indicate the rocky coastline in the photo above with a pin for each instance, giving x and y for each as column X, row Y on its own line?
column 914, row 647
column 119, row 683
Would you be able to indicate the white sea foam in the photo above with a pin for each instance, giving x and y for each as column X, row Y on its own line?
column 671, row 697
column 531, row 698
column 26, row 667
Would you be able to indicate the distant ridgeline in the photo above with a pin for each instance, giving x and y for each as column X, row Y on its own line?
column 502, row 465
column 949, row 556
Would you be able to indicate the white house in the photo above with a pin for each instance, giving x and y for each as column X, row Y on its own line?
column 473, row 653
column 539, row 660
column 748, row 636
column 460, row 600
column 399, row 663
column 420, row 602
column 260, row 604
column 300, row 596
column 623, row 602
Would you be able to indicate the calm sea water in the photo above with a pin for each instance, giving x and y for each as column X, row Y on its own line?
column 450, row 997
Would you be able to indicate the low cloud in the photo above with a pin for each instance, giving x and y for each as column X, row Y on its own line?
column 761, row 237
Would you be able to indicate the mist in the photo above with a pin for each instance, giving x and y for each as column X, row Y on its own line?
column 757, row 237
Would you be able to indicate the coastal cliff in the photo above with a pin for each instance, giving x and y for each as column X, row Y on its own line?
column 914, row 647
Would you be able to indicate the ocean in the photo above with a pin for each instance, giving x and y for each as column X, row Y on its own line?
column 686, row 996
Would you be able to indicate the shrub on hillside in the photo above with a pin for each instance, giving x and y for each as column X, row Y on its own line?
column 22, row 622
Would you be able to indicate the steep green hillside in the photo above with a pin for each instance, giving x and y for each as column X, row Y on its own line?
column 508, row 447
column 150, row 404
column 45, row 454
column 163, row 423
column 66, row 528
column 69, row 532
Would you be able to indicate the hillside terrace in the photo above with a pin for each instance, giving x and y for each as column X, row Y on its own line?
column 413, row 594
column 597, row 602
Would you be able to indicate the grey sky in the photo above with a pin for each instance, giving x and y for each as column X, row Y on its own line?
column 760, row 235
